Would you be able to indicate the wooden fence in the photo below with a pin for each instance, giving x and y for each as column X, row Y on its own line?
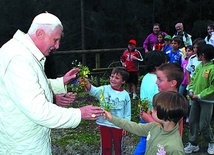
column 60, row 60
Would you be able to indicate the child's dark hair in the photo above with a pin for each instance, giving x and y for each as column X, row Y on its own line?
column 122, row 71
column 207, row 50
column 177, row 40
column 162, row 34
column 189, row 47
column 211, row 25
column 170, row 106
column 154, row 59
column 198, row 41
column 173, row 71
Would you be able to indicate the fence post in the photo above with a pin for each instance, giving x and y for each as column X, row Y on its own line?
column 97, row 59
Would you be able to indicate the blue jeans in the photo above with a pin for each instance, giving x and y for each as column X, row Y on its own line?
column 182, row 90
column 141, row 146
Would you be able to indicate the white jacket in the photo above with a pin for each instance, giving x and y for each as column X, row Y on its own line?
column 27, row 111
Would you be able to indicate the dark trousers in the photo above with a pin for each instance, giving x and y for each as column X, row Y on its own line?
column 199, row 120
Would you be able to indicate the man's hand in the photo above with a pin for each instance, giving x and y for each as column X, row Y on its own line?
column 91, row 112
column 64, row 100
column 70, row 75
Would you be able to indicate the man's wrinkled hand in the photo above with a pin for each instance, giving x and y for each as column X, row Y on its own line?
column 91, row 112
column 70, row 75
column 64, row 100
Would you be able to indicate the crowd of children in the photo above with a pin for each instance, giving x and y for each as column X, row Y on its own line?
column 178, row 70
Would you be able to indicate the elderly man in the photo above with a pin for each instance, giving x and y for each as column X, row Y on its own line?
column 27, row 112
column 186, row 38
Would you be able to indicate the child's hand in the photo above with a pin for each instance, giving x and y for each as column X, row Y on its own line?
column 124, row 64
column 85, row 82
column 191, row 94
column 146, row 117
column 124, row 133
column 133, row 57
column 107, row 115
column 195, row 97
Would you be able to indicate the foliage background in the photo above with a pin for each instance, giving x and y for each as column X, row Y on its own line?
column 107, row 23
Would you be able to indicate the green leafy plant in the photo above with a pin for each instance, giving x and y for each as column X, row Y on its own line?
column 78, row 84
column 105, row 105
column 145, row 105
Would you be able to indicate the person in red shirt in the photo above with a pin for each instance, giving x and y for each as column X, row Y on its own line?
column 160, row 42
column 130, row 59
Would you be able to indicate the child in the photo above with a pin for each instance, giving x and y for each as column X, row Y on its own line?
column 167, row 44
column 175, row 55
column 210, row 30
column 183, row 87
column 201, row 90
column 160, row 42
column 169, row 78
column 118, row 99
column 189, row 52
column 193, row 61
column 162, row 135
column 148, row 89
column 130, row 59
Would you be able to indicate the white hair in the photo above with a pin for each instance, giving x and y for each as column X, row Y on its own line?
column 46, row 21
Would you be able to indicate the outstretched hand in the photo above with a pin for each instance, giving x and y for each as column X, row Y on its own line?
column 107, row 115
column 70, row 75
column 64, row 100
column 91, row 112
column 146, row 117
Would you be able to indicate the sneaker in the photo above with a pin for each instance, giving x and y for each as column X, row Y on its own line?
column 134, row 96
column 191, row 148
column 187, row 120
column 210, row 149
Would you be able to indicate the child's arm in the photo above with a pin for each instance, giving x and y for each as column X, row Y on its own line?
column 133, row 127
column 188, row 76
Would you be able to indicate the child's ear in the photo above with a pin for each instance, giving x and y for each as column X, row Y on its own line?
column 123, row 82
column 173, row 83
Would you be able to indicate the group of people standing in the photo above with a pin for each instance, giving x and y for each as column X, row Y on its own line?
column 194, row 80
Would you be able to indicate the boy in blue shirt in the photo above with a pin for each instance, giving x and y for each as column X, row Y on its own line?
column 117, row 99
column 175, row 55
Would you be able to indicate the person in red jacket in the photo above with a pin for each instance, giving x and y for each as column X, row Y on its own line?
column 130, row 59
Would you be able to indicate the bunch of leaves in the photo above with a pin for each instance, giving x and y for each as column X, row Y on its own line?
column 84, row 71
column 145, row 105
column 135, row 114
column 105, row 105
column 78, row 84
column 188, row 97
